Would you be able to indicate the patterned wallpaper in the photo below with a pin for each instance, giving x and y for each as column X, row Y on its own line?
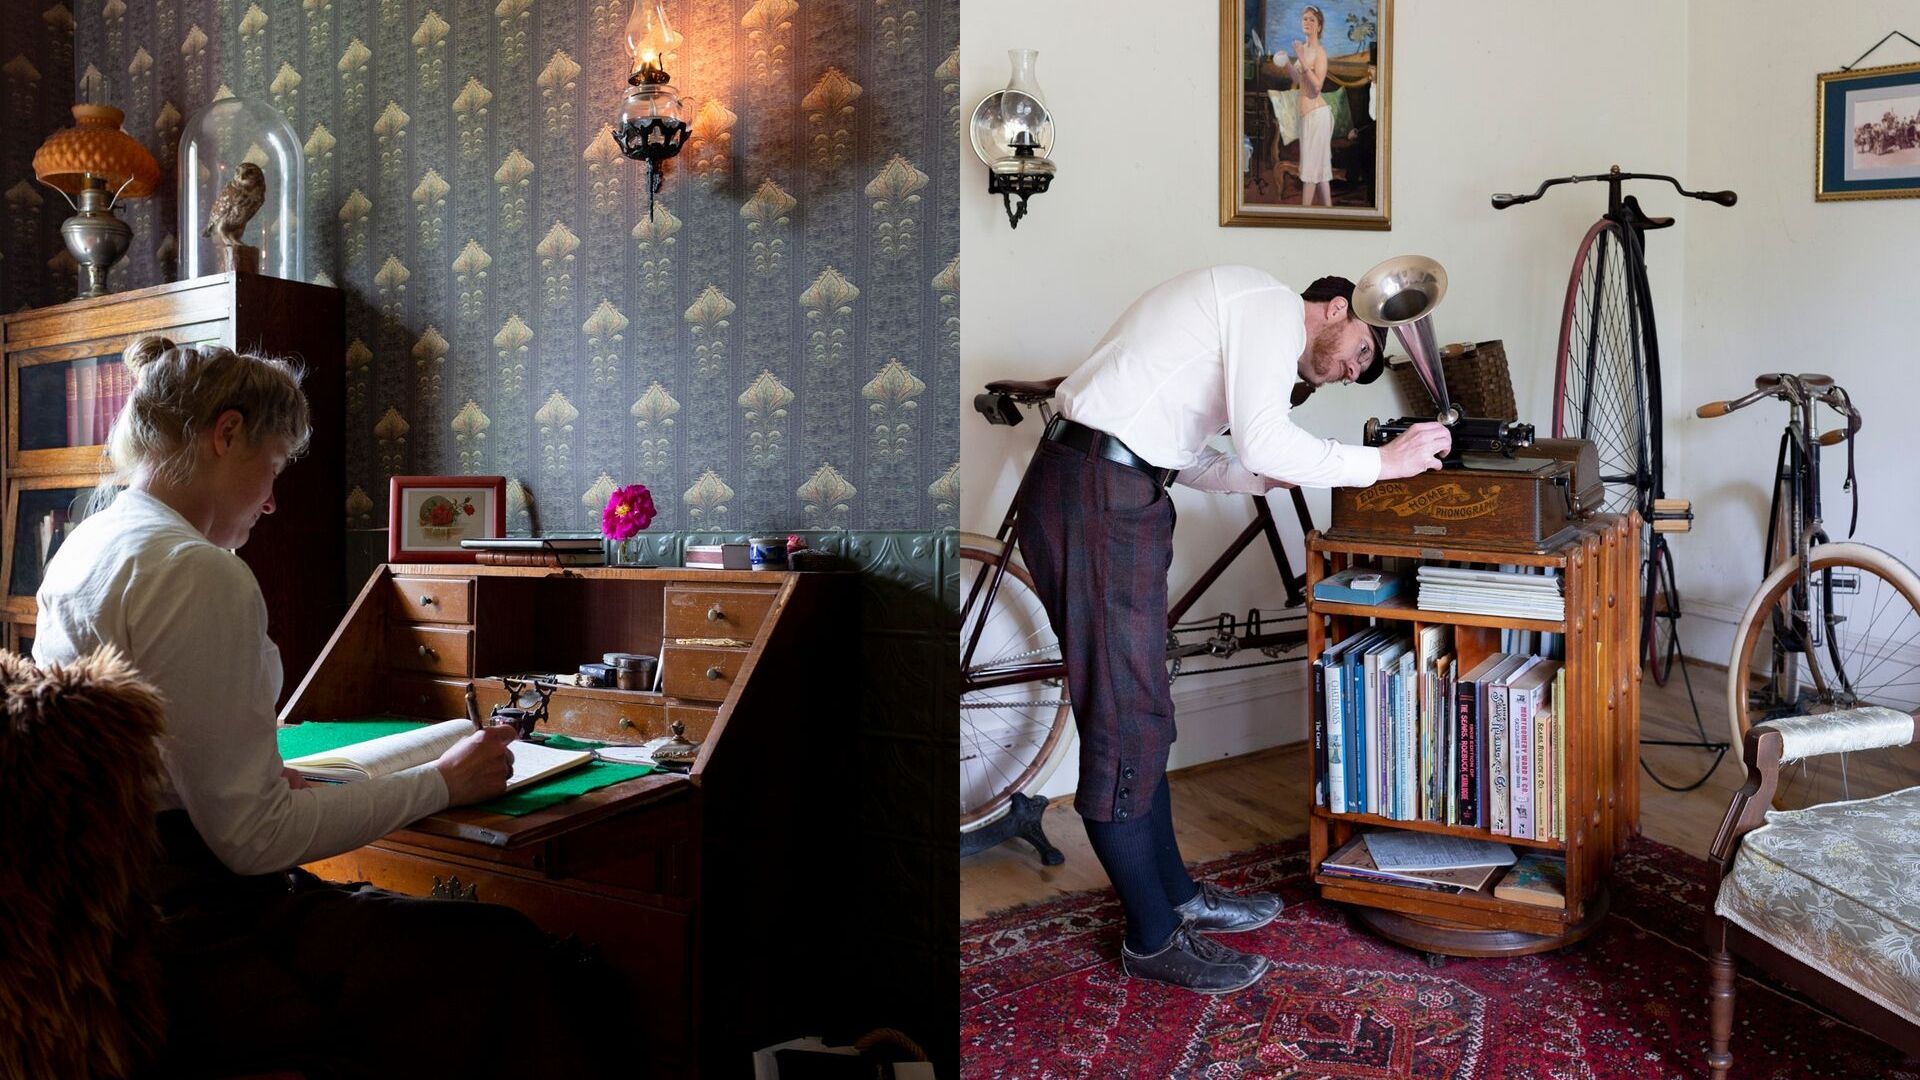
column 36, row 77
column 777, row 347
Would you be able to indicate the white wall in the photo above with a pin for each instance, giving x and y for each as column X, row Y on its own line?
column 1782, row 283
column 1488, row 96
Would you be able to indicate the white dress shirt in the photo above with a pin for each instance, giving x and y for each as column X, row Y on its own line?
column 1210, row 350
column 190, row 618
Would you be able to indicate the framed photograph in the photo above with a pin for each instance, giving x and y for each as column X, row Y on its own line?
column 428, row 516
column 1867, row 134
column 1305, row 91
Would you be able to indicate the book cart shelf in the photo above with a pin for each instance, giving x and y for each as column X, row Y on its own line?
column 1598, row 566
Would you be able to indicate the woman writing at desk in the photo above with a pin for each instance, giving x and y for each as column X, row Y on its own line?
column 262, row 962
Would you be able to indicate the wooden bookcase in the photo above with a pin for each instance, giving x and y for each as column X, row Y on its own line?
column 58, row 359
column 1599, row 567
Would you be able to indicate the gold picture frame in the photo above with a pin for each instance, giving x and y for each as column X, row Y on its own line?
column 1856, row 156
column 1260, row 171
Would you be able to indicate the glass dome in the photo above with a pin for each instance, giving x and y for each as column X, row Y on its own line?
column 213, row 145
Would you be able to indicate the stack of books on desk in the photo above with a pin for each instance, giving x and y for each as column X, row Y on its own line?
column 552, row 551
column 1491, row 592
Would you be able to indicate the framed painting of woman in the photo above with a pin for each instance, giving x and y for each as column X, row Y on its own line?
column 1305, row 95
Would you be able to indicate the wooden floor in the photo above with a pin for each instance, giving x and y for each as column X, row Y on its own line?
column 1228, row 806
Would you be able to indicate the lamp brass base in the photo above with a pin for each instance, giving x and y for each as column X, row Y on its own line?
column 96, row 239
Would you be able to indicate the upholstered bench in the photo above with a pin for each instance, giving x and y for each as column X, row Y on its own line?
column 1826, row 898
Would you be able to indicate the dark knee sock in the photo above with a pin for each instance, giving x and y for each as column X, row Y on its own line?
column 1126, row 851
column 1174, row 879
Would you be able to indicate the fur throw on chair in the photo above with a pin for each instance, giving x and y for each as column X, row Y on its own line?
column 79, row 990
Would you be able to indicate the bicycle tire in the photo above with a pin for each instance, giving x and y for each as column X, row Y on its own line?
column 1607, row 387
column 1019, row 749
column 1895, row 592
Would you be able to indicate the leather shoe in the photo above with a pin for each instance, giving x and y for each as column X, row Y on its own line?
column 1196, row 963
column 1214, row 910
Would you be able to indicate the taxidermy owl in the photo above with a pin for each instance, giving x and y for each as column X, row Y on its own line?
column 237, row 204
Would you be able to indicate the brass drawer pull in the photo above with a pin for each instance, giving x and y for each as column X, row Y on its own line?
column 714, row 673
column 626, row 723
column 424, row 651
column 714, row 614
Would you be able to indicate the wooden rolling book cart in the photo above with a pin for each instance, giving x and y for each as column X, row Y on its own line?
column 1598, row 565
column 721, row 896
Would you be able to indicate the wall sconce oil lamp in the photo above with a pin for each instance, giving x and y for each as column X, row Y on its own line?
column 653, row 125
column 1013, row 136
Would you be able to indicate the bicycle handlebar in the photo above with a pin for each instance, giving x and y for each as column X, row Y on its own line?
column 1790, row 388
column 1504, row 200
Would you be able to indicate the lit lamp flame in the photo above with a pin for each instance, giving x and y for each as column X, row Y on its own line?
column 651, row 41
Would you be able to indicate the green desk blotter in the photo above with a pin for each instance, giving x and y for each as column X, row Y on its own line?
column 319, row 736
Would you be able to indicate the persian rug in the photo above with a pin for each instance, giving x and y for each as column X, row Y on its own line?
column 1042, row 995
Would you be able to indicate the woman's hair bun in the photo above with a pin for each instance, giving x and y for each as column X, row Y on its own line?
column 144, row 350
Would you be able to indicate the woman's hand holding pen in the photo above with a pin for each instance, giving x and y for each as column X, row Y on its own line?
column 476, row 768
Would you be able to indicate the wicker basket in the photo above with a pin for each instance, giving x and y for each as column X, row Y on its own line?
column 1477, row 379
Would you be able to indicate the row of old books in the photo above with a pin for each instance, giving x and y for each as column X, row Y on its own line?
column 1399, row 732
column 1451, row 865
column 95, row 395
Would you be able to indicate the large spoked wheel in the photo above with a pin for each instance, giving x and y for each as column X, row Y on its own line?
column 1858, row 645
column 1607, row 391
column 1012, row 736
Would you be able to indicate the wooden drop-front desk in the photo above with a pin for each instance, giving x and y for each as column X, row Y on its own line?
column 713, row 893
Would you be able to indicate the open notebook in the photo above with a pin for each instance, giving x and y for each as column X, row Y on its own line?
column 403, row 750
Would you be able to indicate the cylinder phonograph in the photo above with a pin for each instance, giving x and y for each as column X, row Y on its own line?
column 1499, row 488
column 1401, row 293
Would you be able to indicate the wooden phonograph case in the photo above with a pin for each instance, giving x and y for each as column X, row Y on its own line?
column 1500, row 488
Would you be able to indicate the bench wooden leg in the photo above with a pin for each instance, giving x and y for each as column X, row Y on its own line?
column 1720, row 995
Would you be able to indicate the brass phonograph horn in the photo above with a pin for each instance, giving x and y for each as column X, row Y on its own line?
column 1402, row 293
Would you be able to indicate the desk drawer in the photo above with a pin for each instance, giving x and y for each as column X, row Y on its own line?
column 441, row 650
column 431, row 699
column 699, row 722
column 433, row 599
column 717, row 613
column 606, row 721
column 700, row 673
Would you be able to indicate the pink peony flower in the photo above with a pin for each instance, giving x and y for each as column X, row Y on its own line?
column 629, row 509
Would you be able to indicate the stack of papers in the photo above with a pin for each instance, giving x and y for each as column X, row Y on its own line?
column 1491, row 592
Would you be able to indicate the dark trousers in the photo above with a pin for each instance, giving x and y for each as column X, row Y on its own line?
column 287, row 971
column 1097, row 537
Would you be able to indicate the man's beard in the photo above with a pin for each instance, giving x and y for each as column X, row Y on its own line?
column 1324, row 364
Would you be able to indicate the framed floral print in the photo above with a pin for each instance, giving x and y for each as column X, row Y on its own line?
column 428, row 516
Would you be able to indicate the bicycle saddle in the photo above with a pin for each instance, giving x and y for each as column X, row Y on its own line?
column 1026, row 392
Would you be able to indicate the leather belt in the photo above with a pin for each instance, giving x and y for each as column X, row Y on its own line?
column 1097, row 443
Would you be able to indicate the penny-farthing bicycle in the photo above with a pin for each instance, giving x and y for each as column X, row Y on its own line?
column 1606, row 389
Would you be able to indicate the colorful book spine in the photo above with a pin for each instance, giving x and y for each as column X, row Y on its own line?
column 1331, row 677
column 1560, row 752
column 1545, row 716
column 1319, row 711
column 1520, row 734
column 1467, row 778
column 1355, row 719
column 1499, row 795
